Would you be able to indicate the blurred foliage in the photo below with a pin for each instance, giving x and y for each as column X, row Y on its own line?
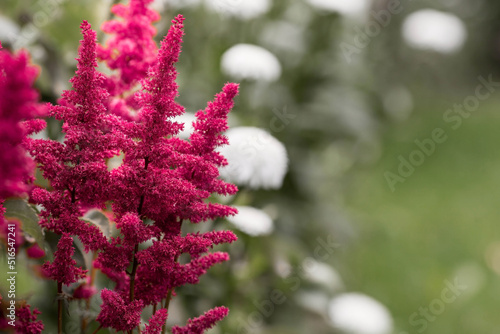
column 398, row 247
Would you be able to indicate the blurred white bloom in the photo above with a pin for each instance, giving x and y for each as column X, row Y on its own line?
column 255, row 158
column 434, row 30
column 341, row 6
column 315, row 301
column 187, row 119
column 159, row 5
column 322, row 274
column 242, row 9
column 9, row 30
column 252, row 221
column 356, row 313
column 247, row 61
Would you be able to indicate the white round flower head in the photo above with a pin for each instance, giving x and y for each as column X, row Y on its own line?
column 341, row 6
column 247, row 61
column 255, row 158
column 434, row 30
column 187, row 119
column 9, row 30
column 355, row 313
column 242, row 9
column 159, row 5
column 322, row 274
column 252, row 221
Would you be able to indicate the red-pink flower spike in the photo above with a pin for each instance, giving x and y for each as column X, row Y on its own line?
column 18, row 103
column 77, row 168
column 35, row 252
column 63, row 269
column 27, row 322
column 131, row 50
column 156, row 322
column 84, row 291
column 202, row 323
column 118, row 314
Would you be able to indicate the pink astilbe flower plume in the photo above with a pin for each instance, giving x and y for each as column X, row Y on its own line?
column 202, row 323
column 131, row 50
column 156, row 322
column 162, row 182
column 77, row 168
column 63, row 269
column 118, row 314
column 18, row 103
column 27, row 322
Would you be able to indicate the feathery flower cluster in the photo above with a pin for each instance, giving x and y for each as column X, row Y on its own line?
column 163, row 181
column 131, row 51
column 18, row 103
column 156, row 322
column 18, row 108
column 200, row 324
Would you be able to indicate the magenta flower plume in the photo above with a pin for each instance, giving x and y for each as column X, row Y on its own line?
column 118, row 314
column 202, row 323
column 77, row 168
column 130, row 50
column 63, row 269
column 211, row 123
column 156, row 322
column 18, row 103
column 84, row 291
column 162, row 182
column 27, row 322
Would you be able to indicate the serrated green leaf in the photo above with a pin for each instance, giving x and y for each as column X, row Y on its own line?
column 20, row 209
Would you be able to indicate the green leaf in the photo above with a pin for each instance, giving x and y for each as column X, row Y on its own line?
column 99, row 219
column 20, row 209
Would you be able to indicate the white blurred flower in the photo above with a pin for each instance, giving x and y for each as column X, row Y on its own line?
column 9, row 30
column 322, row 274
column 315, row 301
column 247, row 61
column 356, row 313
column 159, row 5
column 255, row 158
column 434, row 30
column 187, row 119
column 341, row 6
column 252, row 221
column 242, row 9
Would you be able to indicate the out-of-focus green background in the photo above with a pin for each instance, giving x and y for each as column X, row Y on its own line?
column 352, row 120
